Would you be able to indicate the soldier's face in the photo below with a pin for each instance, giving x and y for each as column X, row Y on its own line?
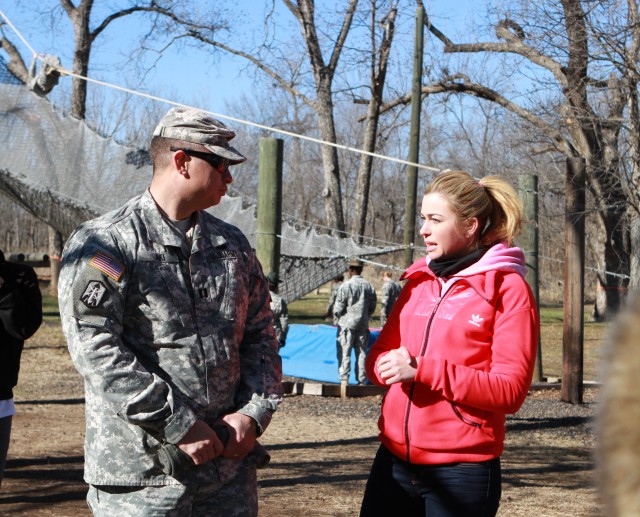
column 209, row 183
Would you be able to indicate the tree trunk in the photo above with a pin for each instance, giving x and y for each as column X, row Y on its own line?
column 612, row 283
column 332, row 192
column 378, row 77
column 363, row 183
column 82, row 51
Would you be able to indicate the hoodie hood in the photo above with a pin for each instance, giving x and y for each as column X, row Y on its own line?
column 500, row 257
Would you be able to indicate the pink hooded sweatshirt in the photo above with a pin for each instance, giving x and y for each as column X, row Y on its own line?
column 475, row 335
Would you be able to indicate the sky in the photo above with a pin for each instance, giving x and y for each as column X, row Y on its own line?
column 179, row 76
column 183, row 76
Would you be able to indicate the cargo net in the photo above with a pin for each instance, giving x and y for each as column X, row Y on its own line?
column 64, row 173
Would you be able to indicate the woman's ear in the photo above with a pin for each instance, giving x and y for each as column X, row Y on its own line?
column 472, row 227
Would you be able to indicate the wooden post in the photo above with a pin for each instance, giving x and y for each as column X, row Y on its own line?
column 414, row 140
column 528, row 184
column 269, row 224
column 574, row 238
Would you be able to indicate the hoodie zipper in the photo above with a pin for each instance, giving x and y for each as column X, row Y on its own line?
column 413, row 384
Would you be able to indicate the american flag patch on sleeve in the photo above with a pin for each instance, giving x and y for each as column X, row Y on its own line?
column 108, row 265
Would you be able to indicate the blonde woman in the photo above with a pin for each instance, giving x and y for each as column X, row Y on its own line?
column 457, row 354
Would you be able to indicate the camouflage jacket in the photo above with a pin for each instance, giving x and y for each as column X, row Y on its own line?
column 164, row 333
column 280, row 316
column 390, row 292
column 355, row 303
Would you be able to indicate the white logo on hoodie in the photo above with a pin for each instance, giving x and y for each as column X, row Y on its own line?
column 476, row 319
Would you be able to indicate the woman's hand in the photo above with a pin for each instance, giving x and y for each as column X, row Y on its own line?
column 397, row 366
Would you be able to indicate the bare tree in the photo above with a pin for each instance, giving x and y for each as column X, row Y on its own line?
column 323, row 71
column 586, row 122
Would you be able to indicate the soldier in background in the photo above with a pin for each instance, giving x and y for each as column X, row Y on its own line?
column 390, row 291
column 20, row 317
column 279, row 308
column 166, row 313
column 354, row 305
column 335, row 287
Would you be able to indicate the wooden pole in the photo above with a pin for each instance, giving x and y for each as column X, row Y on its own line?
column 528, row 184
column 573, row 326
column 269, row 224
column 414, row 140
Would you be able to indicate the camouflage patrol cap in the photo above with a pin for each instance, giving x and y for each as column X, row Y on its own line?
column 196, row 126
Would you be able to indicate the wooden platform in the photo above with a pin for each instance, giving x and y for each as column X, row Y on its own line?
column 353, row 390
column 330, row 390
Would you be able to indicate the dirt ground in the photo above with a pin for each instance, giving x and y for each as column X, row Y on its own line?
column 321, row 449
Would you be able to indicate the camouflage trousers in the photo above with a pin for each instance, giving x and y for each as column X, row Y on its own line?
column 236, row 498
column 357, row 340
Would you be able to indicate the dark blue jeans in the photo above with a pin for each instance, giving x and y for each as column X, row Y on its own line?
column 396, row 487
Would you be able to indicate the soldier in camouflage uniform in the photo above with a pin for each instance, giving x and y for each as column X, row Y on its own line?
column 390, row 291
column 354, row 305
column 335, row 287
column 166, row 313
column 279, row 308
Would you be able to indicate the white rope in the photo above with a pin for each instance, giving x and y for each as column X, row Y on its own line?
column 33, row 52
column 247, row 122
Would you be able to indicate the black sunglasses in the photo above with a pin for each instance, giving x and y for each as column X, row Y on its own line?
column 212, row 159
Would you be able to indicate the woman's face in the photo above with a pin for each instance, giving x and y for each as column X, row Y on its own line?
column 444, row 237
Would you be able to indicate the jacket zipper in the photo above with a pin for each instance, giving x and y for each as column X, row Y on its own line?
column 463, row 418
column 413, row 384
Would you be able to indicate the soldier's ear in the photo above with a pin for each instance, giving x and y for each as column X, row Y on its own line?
column 180, row 161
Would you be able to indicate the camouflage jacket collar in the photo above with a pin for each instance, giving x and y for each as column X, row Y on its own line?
column 205, row 234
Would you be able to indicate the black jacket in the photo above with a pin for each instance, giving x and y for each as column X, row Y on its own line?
column 20, row 317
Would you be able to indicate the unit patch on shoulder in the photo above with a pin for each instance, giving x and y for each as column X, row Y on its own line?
column 108, row 265
column 93, row 294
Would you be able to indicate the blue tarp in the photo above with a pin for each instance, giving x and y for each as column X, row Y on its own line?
column 310, row 353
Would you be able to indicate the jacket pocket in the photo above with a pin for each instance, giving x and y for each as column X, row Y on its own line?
column 477, row 420
column 464, row 418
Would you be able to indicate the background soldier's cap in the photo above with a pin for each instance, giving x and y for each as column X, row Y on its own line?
column 356, row 263
column 196, row 126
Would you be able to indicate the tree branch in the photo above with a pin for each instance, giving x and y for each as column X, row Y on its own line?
column 258, row 63
column 460, row 84
column 344, row 31
column 153, row 8
column 68, row 6
column 514, row 45
column 16, row 64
